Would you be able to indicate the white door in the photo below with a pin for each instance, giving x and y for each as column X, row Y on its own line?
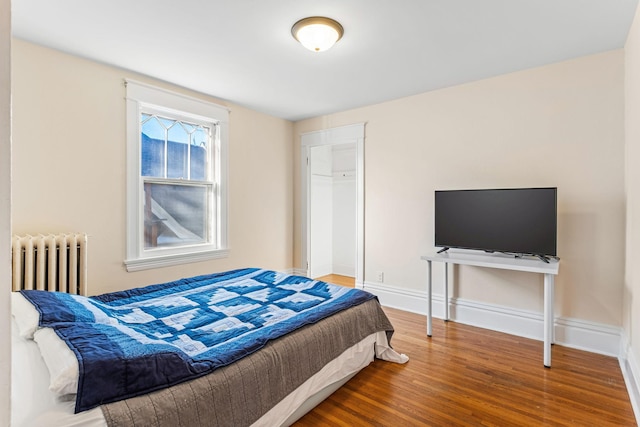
column 320, row 211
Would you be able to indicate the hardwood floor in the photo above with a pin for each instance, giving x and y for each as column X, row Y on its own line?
column 338, row 280
column 469, row 376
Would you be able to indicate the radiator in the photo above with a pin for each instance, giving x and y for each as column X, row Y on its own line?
column 55, row 262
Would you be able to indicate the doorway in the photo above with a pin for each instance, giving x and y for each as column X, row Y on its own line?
column 333, row 202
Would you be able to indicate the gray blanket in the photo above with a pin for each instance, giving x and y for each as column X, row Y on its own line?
column 239, row 394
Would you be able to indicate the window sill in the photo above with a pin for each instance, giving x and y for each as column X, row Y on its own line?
column 170, row 260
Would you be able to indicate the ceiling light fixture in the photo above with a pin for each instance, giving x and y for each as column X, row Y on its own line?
column 317, row 33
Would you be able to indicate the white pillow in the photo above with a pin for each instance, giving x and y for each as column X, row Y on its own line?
column 60, row 360
column 26, row 316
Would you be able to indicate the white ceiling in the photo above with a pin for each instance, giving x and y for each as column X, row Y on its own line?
column 242, row 50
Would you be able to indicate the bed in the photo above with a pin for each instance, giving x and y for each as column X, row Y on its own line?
column 296, row 341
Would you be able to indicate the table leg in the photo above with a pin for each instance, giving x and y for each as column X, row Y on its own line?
column 548, row 318
column 446, row 292
column 429, row 300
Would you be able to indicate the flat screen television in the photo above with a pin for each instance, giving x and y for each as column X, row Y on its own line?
column 519, row 221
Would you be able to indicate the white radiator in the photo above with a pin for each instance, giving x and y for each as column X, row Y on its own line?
column 55, row 262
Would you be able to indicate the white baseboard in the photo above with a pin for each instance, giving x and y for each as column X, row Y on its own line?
column 574, row 333
column 344, row 270
column 631, row 373
column 296, row 271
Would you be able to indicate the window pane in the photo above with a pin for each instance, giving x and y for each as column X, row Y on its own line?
column 152, row 146
column 174, row 149
column 175, row 215
column 199, row 149
column 177, row 152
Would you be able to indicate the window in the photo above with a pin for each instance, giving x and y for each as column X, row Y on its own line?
column 176, row 178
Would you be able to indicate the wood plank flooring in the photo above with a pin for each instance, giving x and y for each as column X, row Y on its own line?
column 338, row 280
column 467, row 376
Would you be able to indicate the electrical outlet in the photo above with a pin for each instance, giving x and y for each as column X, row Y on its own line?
column 380, row 276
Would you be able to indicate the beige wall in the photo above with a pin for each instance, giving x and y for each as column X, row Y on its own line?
column 632, row 137
column 558, row 125
column 69, row 169
column 5, row 208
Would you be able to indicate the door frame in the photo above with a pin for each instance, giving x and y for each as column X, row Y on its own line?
column 350, row 134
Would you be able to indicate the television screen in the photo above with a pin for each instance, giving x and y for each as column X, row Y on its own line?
column 517, row 220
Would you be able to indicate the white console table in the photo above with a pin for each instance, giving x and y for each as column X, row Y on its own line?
column 501, row 261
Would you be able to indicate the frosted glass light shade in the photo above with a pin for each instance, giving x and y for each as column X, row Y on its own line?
column 317, row 33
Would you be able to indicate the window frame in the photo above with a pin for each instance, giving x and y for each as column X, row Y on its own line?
column 140, row 98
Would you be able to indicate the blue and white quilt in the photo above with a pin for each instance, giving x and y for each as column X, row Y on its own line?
column 136, row 341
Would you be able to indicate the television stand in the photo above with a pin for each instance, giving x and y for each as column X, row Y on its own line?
column 500, row 261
